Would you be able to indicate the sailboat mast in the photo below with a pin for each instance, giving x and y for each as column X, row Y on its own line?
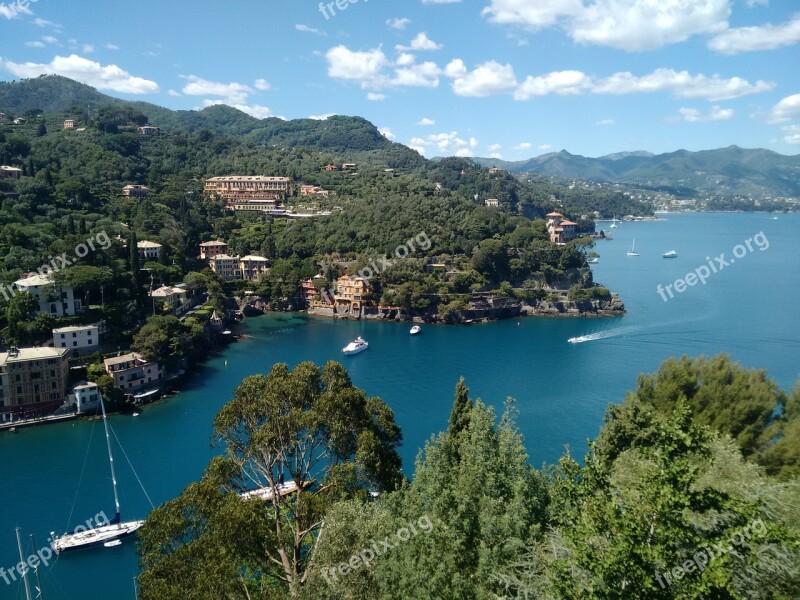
column 25, row 569
column 110, row 457
column 39, row 591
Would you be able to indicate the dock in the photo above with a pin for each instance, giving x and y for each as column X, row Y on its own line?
column 13, row 425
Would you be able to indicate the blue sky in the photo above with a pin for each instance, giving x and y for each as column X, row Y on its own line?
column 508, row 78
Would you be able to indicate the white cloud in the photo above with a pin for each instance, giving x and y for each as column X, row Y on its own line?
column 792, row 134
column 632, row 25
column 387, row 133
column 692, row 115
column 35, row 44
column 398, row 23
column 440, row 1
column 786, row 109
column 365, row 68
column 557, row 82
column 604, row 122
column 496, row 155
column 307, row 29
column 322, row 117
column 254, row 110
column 485, row 80
column 231, row 93
column 494, row 147
column 87, row 48
column 49, row 39
column 422, row 75
column 764, row 37
column 45, row 23
column 261, row 84
column 545, row 146
column 109, row 77
column 111, row 46
column 174, row 93
column 444, row 144
column 523, row 146
column 420, row 43
column 425, row 122
column 375, row 97
column 405, row 59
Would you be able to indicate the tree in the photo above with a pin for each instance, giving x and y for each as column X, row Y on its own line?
column 19, row 312
column 310, row 424
column 41, row 130
column 161, row 339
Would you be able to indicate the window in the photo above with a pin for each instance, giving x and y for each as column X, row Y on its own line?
column 63, row 335
column 74, row 344
column 74, row 334
column 63, row 344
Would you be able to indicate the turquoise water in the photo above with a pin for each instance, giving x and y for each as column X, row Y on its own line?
column 748, row 309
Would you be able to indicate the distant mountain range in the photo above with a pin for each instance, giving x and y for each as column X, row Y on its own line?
column 723, row 172
column 726, row 171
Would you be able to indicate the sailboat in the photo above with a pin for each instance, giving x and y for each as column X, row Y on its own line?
column 115, row 530
column 613, row 222
column 632, row 251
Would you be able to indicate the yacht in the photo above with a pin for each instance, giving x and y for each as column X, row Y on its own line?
column 632, row 251
column 670, row 254
column 415, row 330
column 613, row 222
column 356, row 346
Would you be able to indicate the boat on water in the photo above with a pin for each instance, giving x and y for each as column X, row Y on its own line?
column 356, row 346
column 578, row 340
column 593, row 261
column 670, row 254
column 632, row 251
column 613, row 222
column 266, row 492
column 416, row 329
column 116, row 530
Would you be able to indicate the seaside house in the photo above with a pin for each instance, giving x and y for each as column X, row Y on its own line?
column 209, row 250
column 313, row 190
column 135, row 191
column 85, row 397
column 69, row 123
column 175, row 299
column 226, row 267
column 149, row 250
column 252, row 267
column 561, row 230
column 54, row 300
column 131, row 372
column 33, row 381
column 78, row 339
column 350, row 293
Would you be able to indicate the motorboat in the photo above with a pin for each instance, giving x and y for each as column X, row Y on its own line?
column 670, row 254
column 356, row 346
column 415, row 330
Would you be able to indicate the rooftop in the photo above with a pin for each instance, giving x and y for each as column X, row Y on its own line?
column 212, row 243
column 118, row 360
column 72, row 328
column 24, row 354
column 147, row 244
column 34, row 280
column 251, row 178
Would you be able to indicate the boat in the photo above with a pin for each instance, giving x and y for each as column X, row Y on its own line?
column 593, row 261
column 415, row 330
column 632, row 251
column 356, row 346
column 670, row 254
column 104, row 534
column 266, row 493
column 578, row 340
column 113, row 544
column 613, row 222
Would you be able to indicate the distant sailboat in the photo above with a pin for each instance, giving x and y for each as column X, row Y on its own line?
column 670, row 254
column 613, row 222
column 632, row 251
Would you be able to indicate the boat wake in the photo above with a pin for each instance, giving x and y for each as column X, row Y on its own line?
column 601, row 335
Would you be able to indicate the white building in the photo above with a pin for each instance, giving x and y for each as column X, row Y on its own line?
column 85, row 397
column 57, row 301
column 174, row 297
column 78, row 338
column 149, row 250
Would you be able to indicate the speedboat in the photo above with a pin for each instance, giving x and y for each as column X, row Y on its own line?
column 354, row 347
column 670, row 254
column 415, row 330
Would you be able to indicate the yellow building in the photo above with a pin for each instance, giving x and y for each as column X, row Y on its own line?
column 252, row 187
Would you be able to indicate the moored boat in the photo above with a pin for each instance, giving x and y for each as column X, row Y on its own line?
column 416, row 329
column 356, row 346
column 670, row 254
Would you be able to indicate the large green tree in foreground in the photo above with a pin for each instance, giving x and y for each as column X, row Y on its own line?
column 310, row 426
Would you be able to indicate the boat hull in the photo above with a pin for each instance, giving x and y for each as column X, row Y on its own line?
column 94, row 537
column 347, row 351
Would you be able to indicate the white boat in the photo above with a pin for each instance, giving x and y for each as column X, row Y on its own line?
column 578, row 340
column 632, row 251
column 266, row 493
column 113, row 544
column 613, row 222
column 593, row 261
column 354, row 347
column 670, row 254
column 415, row 330
column 115, row 530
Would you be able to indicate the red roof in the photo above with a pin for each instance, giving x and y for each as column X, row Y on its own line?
column 554, row 214
column 567, row 223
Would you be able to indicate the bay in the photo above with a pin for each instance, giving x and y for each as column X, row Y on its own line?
column 748, row 309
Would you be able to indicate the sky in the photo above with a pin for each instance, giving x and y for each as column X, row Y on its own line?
column 509, row 79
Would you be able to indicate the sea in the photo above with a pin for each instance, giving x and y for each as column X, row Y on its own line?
column 56, row 477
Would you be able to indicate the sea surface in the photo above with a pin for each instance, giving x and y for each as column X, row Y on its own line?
column 57, row 476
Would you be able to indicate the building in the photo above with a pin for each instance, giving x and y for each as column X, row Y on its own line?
column 252, row 267
column 312, row 290
column 255, row 187
column 226, row 267
column 7, row 172
column 176, row 299
column 131, row 372
column 211, row 249
column 149, row 130
column 69, row 123
column 350, row 292
column 349, row 166
column 561, row 230
column 33, row 381
column 495, row 170
column 79, row 339
column 149, row 250
column 330, row 167
column 313, row 190
column 57, row 301
column 270, row 206
column 85, row 397
column 492, row 202
column 136, row 191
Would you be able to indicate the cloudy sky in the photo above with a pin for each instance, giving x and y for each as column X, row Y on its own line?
column 505, row 78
